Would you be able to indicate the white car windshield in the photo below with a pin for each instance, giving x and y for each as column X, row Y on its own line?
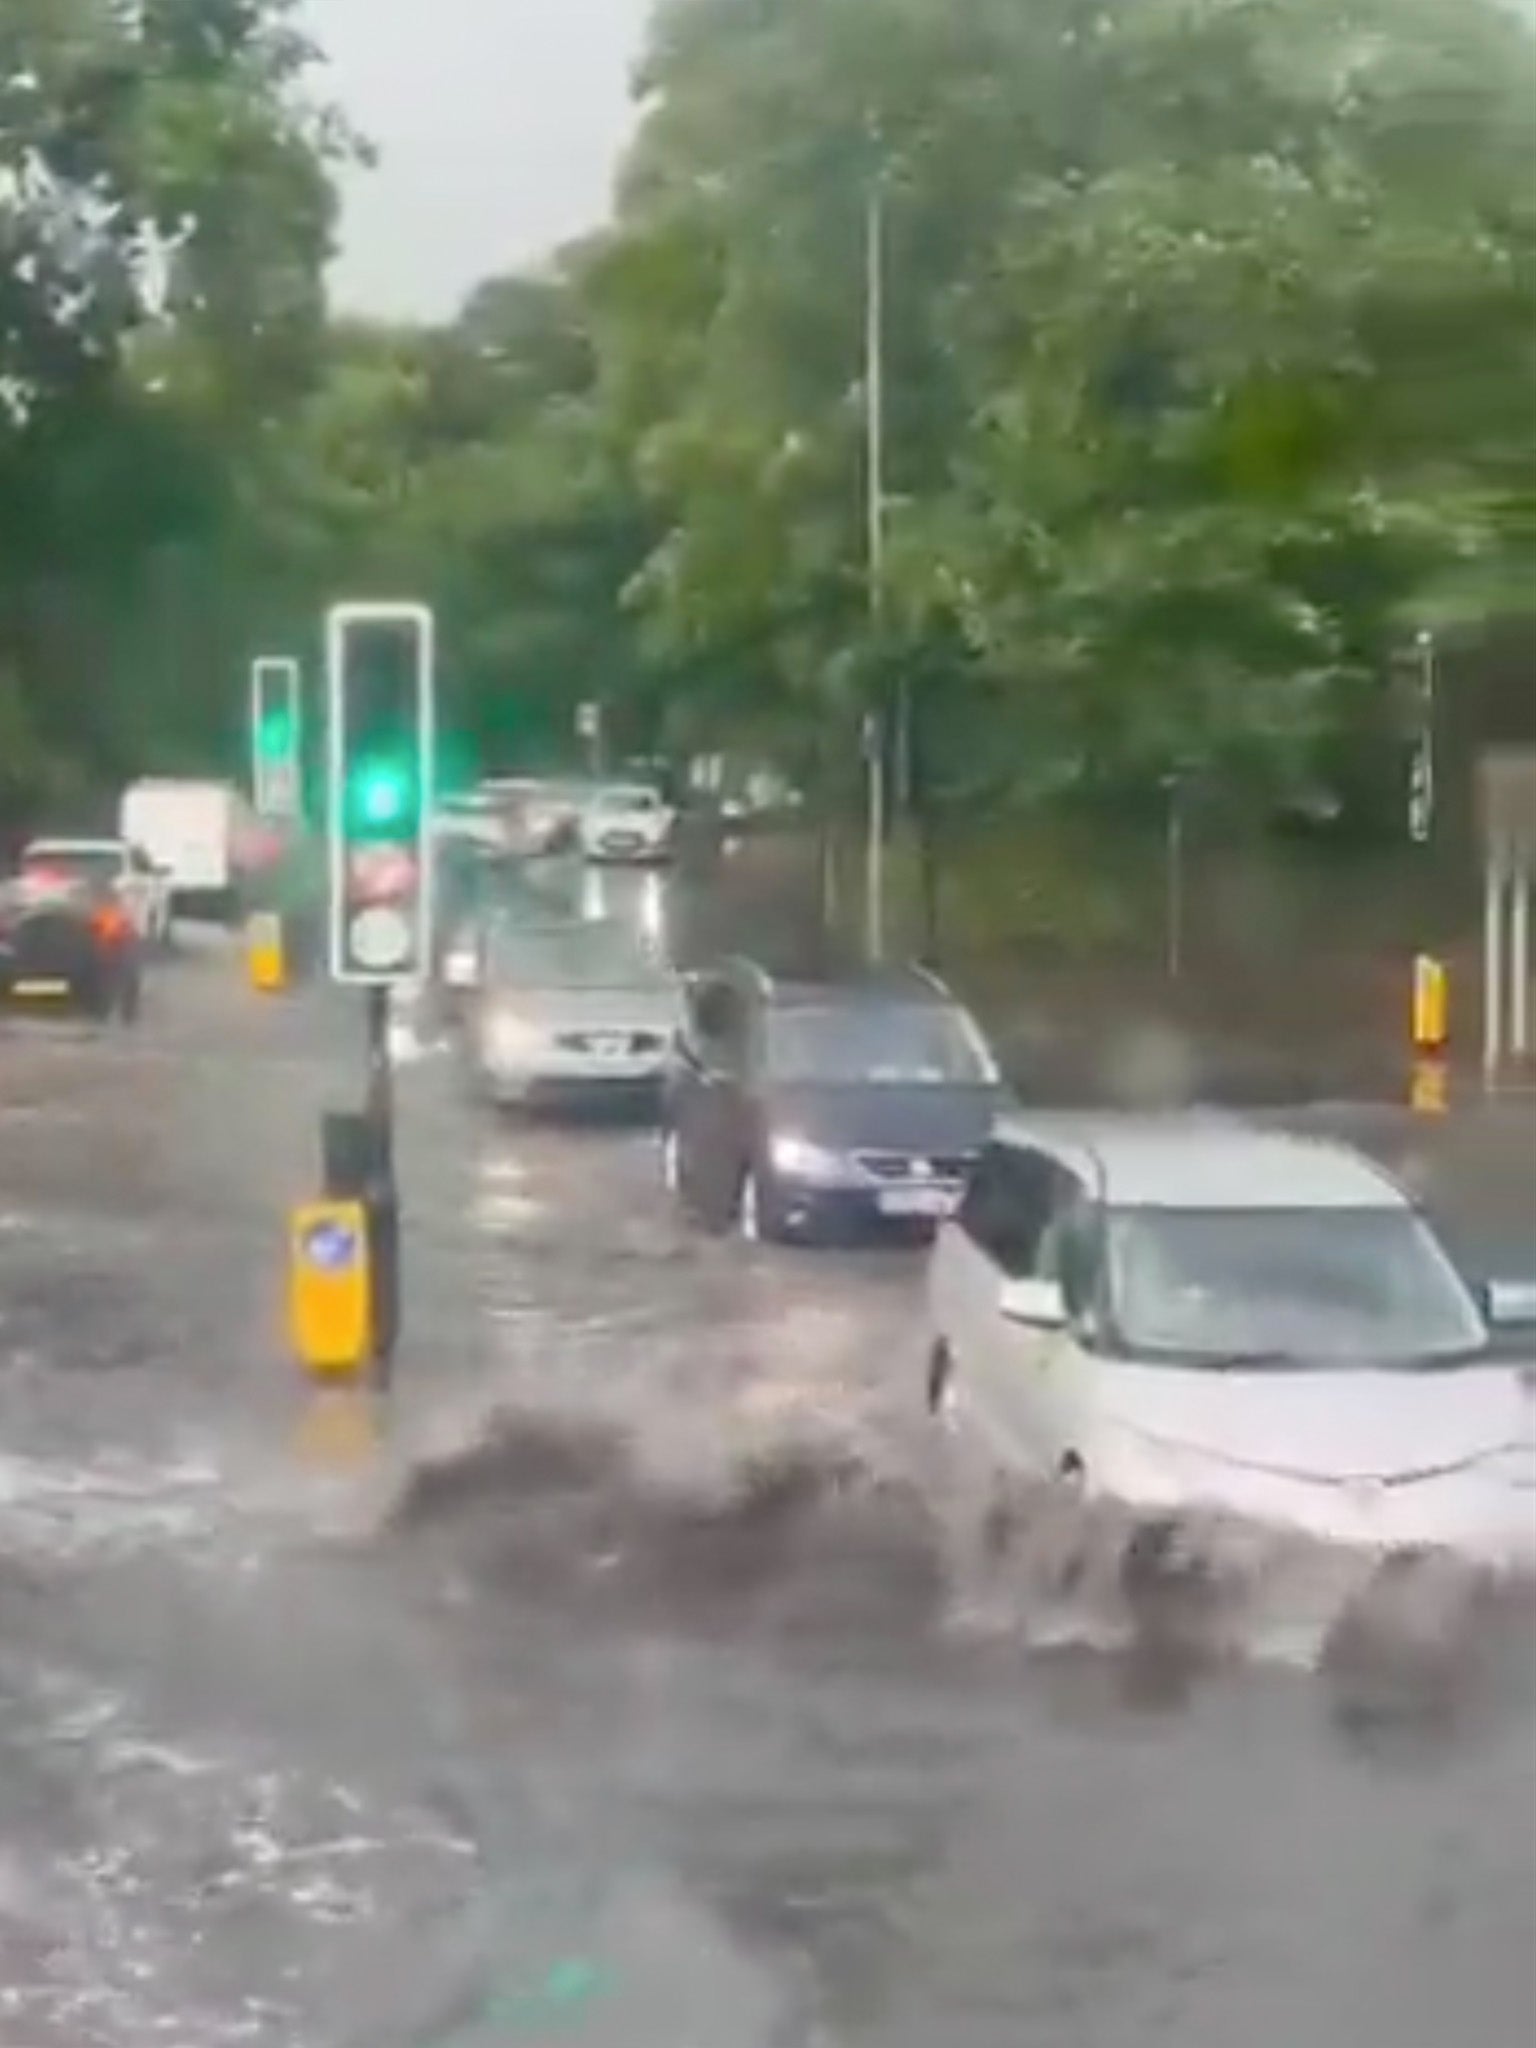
column 900, row 1044
column 629, row 800
column 1287, row 1287
column 573, row 955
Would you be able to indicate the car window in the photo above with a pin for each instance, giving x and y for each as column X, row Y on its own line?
column 1295, row 1286
column 1071, row 1250
column 869, row 1043
column 45, row 863
column 1008, row 1205
column 571, row 956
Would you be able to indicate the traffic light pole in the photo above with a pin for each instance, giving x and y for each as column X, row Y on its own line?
column 383, row 1194
column 380, row 783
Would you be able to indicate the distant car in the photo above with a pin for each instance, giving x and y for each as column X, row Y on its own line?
column 804, row 1110
column 572, row 1011
column 540, row 816
column 627, row 821
column 1182, row 1313
column 67, row 944
column 140, row 886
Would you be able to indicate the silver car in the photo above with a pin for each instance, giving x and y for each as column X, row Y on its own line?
column 573, row 1010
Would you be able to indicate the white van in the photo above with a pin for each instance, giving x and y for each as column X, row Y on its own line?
column 197, row 833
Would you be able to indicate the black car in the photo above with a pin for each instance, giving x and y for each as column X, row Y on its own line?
column 801, row 1110
column 70, row 947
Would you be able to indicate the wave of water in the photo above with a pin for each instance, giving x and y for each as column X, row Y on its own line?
column 812, row 1534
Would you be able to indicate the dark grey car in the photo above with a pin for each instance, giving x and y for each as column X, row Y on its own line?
column 825, row 1110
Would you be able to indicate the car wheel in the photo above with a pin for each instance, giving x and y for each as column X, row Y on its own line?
column 757, row 1217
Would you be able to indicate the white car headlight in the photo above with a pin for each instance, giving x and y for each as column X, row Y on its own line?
column 801, row 1160
column 510, row 1037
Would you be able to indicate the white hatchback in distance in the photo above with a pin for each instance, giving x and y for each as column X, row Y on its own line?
column 627, row 821
column 1186, row 1313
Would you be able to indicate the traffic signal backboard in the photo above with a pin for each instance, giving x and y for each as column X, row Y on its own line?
column 380, row 663
column 276, row 738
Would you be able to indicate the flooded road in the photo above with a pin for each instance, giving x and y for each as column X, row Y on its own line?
column 622, row 1693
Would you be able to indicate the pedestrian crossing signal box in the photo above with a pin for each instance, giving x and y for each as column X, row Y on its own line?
column 330, row 1289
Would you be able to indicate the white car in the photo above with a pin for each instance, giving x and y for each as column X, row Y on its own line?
column 1187, row 1313
column 627, row 821
column 572, row 1011
column 142, row 888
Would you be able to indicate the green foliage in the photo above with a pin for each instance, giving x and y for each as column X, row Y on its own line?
column 1211, row 344
column 165, row 214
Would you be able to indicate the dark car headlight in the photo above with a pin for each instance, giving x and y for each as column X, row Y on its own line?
column 799, row 1158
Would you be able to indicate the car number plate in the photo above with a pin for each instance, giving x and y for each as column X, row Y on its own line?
column 917, row 1202
column 35, row 987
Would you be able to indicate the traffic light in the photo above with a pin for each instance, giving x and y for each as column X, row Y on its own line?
column 276, row 738
column 380, row 777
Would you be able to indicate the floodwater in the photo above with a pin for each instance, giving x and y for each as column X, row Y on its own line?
column 627, row 1684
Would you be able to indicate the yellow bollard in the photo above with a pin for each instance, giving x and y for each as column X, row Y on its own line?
column 266, row 955
column 1431, row 1005
column 1429, row 1087
column 330, row 1290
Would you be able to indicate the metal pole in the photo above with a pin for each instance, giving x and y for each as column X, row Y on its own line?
column 874, row 741
column 1520, row 963
column 1422, row 793
column 1175, row 879
column 1493, row 970
column 381, row 1079
column 874, row 387
column 382, row 1195
column 874, row 428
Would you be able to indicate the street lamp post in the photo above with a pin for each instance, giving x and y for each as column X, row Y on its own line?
column 874, row 431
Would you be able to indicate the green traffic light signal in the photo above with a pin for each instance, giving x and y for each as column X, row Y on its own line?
column 382, row 796
column 276, row 736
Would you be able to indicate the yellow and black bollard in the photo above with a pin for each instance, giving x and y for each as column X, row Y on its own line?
column 1429, row 1087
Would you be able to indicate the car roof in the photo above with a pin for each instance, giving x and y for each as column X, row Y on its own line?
column 1195, row 1160
column 54, row 843
column 866, row 988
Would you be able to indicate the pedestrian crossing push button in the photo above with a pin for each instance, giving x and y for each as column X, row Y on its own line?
column 330, row 1291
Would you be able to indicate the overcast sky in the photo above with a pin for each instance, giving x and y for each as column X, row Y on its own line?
column 499, row 123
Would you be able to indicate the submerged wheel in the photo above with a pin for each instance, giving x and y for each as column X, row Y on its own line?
column 941, row 1366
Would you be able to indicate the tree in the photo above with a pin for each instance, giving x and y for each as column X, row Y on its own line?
column 165, row 213
column 1210, row 353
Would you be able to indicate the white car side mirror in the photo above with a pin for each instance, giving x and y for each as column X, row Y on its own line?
column 1037, row 1304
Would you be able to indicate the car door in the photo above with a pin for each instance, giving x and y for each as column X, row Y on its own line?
column 1006, row 1372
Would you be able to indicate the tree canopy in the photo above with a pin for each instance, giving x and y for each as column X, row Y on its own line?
column 1209, row 361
